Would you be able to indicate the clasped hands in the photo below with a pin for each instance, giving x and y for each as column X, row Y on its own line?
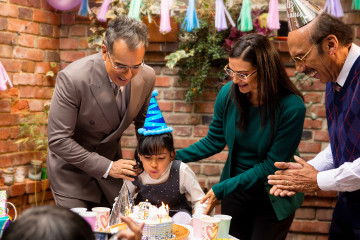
column 293, row 177
column 125, row 169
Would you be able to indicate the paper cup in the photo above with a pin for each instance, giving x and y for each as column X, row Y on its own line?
column 196, row 224
column 209, row 228
column 224, row 225
column 90, row 217
column 102, row 218
column 78, row 210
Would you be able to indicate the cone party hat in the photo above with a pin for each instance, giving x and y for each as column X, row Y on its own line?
column 300, row 13
column 154, row 122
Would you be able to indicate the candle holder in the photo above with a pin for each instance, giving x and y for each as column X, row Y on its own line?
column 35, row 170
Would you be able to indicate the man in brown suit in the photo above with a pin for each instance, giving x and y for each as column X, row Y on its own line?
column 95, row 99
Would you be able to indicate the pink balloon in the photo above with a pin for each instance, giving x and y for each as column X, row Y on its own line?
column 64, row 4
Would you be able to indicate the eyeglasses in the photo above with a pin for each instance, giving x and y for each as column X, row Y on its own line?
column 239, row 75
column 301, row 60
column 124, row 68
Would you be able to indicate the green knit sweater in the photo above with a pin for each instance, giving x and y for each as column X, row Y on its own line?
column 252, row 153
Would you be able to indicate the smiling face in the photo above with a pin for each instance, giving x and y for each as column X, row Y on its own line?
column 156, row 165
column 122, row 55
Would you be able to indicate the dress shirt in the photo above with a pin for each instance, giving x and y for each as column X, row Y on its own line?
column 345, row 178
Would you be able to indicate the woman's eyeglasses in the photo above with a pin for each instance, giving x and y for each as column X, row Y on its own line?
column 231, row 73
column 124, row 68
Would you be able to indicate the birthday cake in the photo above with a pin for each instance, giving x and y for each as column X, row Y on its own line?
column 158, row 224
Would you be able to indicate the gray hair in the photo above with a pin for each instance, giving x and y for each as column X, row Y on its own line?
column 133, row 32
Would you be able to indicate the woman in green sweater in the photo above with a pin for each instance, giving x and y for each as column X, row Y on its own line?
column 259, row 115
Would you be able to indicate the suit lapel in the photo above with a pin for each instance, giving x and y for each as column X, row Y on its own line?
column 101, row 89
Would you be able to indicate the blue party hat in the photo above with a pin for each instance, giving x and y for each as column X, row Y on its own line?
column 154, row 122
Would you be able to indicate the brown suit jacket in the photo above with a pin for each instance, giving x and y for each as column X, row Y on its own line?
column 84, row 128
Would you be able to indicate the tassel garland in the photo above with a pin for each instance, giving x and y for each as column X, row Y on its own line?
column 165, row 26
column 4, row 78
column 101, row 16
column 272, row 20
column 134, row 11
column 356, row 4
column 220, row 16
column 191, row 21
column 334, row 8
column 84, row 8
column 244, row 22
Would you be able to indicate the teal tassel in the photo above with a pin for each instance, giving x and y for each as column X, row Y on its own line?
column 134, row 11
column 245, row 22
column 356, row 4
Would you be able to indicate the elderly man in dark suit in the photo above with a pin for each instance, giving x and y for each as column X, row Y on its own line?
column 95, row 100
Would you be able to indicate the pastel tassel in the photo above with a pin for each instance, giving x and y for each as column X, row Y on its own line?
column 244, row 22
column 356, row 4
column 101, row 16
column 191, row 21
column 334, row 8
column 84, row 8
column 165, row 26
column 134, row 11
column 272, row 20
column 220, row 16
column 4, row 78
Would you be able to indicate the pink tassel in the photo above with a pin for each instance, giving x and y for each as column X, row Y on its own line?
column 101, row 16
column 273, row 16
column 165, row 17
column 4, row 78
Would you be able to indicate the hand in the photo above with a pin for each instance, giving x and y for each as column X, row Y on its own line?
column 124, row 169
column 212, row 201
column 135, row 231
column 282, row 193
column 295, row 177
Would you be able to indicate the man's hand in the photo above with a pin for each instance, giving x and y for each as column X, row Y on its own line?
column 124, row 169
column 296, row 177
column 212, row 201
column 135, row 231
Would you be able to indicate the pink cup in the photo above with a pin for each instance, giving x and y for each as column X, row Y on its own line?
column 102, row 218
column 196, row 223
column 209, row 228
column 90, row 217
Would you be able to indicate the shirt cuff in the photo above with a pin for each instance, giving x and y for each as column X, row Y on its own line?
column 108, row 170
column 326, row 180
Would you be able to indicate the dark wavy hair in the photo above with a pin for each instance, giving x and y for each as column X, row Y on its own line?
column 272, row 81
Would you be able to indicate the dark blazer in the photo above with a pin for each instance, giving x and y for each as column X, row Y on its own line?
column 84, row 128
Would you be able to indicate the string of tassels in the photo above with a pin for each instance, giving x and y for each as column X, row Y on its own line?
column 334, row 8
column 245, row 22
column 272, row 20
column 220, row 16
column 134, row 11
column 4, row 78
column 191, row 21
column 165, row 26
column 84, row 8
column 101, row 16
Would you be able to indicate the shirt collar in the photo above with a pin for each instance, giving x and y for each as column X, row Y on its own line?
column 354, row 53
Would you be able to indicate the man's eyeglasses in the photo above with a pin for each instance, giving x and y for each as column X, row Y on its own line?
column 124, row 68
column 239, row 75
column 301, row 60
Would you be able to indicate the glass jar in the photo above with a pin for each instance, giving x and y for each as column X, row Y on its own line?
column 35, row 170
column 8, row 175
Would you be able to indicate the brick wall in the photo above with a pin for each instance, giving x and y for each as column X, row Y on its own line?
column 49, row 36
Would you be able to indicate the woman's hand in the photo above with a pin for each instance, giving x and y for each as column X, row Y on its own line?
column 135, row 232
column 211, row 201
column 125, row 169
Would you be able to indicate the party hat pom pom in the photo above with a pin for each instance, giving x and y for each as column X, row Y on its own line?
column 334, row 8
column 220, row 16
column 101, row 16
column 273, row 16
column 154, row 122
column 84, row 8
column 134, row 11
column 4, row 78
column 356, row 4
column 244, row 22
column 165, row 17
column 191, row 21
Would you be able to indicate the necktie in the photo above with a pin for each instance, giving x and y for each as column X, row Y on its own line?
column 337, row 88
column 118, row 98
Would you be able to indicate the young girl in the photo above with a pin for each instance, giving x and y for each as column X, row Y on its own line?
column 163, row 179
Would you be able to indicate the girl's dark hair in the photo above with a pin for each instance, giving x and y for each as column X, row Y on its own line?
column 272, row 81
column 152, row 145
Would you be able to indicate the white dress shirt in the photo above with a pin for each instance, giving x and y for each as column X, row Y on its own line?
column 345, row 178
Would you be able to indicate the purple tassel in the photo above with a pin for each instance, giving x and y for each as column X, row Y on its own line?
column 165, row 26
column 272, row 20
column 220, row 16
column 101, row 16
column 4, row 78
column 334, row 8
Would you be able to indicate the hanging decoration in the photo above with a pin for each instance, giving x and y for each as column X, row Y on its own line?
column 134, row 11
column 356, row 4
column 272, row 20
column 165, row 26
column 64, row 5
column 101, row 16
column 334, row 8
column 244, row 22
column 220, row 16
column 84, row 8
column 191, row 21
column 4, row 78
